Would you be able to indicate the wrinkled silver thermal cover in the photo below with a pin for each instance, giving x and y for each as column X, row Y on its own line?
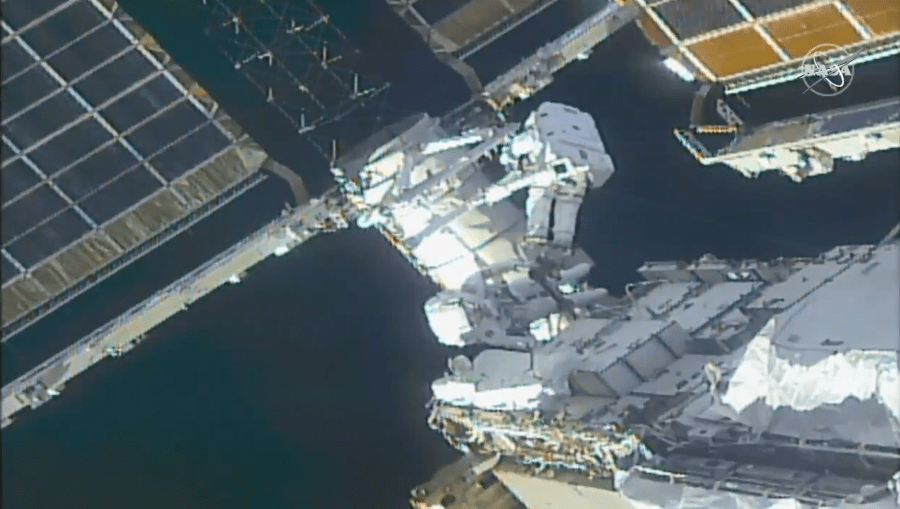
column 722, row 354
column 831, row 356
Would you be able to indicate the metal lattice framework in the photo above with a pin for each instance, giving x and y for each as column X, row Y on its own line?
column 291, row 51
column 109, row 150
column 746, row 44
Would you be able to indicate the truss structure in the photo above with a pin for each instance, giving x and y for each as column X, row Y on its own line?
column 303, row 63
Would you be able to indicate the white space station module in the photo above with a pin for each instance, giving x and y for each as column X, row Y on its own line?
column 716, row 384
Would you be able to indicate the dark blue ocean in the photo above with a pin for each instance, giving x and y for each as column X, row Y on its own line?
column 304, row 386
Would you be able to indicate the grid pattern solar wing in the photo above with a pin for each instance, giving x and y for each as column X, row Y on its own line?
column 751, row 43
column 690, row 18
column 108, row 149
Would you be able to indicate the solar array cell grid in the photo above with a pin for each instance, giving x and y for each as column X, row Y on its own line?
column 58, row 232
column 652, row 31
column 17, row 179
column 120, row 194
column 57, row 30
column 99, row 168
column 127, row 72
column 7, row 269
column 800, row 33
column 89, row 53
column 70, row 145
column 743, row 41
column 82, row 109
column 136, row 106
column 881, row 16
column 165, row 128
column 33, row 128
column 190, row 152
column 105, row 152
column 734, row 52
column 15, row 60
column 765, row 7
column 689, row 18
column 24, row 215
column 24, row 15
column 26, row 89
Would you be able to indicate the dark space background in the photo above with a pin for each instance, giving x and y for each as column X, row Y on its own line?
column 304, row 386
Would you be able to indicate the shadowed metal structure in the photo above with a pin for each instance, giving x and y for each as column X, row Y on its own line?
column 748, row 44
column 109, row 150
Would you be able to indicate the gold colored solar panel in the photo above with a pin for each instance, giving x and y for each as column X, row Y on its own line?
column 735, row 52
column 881, row 16
column 800, row 33
column 748, row 44
column 652, row 31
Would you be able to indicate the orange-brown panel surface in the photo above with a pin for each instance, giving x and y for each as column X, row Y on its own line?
column 804, row 31
column 735, row 52
column 652, row 31
column 477, row 17
column 881, row 16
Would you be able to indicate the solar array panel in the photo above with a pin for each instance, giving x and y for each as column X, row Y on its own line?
column 738, row 42
column 108, row 149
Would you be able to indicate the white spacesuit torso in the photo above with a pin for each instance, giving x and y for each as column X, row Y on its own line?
column 560, row 153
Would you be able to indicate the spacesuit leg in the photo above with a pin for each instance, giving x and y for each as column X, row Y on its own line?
column 538, row 208
column 565, row 212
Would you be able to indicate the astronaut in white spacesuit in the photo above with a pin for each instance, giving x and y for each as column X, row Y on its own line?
column 559, row 153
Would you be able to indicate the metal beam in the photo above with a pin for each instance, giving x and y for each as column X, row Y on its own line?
column 846, row 134
column 120, row 335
